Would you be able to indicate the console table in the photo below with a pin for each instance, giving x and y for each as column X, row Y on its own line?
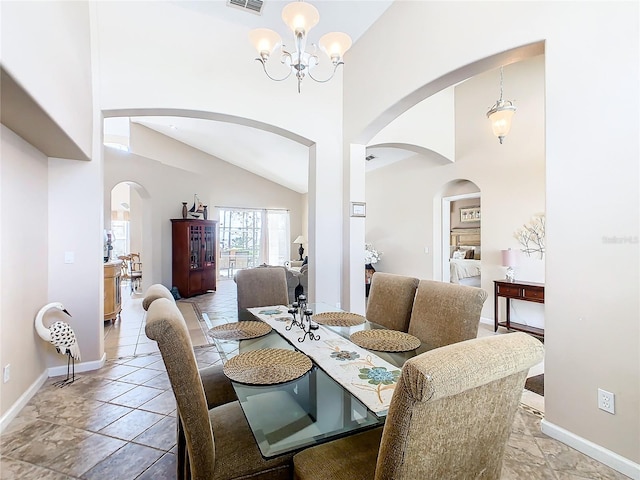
column 517, row 290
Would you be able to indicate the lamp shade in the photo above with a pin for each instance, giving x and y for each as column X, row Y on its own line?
column 300, row 16
column 335, row 44
column 299, row 239
column 500, row 118
column 509, row 258
column 264, row 40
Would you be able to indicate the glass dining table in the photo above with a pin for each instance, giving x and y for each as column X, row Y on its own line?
column 311, row 409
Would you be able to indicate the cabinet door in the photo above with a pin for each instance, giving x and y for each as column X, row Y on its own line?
column 209, row 245
column 208, row 279
column 196, row 241
column 195, row 282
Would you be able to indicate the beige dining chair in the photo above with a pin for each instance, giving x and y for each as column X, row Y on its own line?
column 234, row 453
column 450, row 417
column 445, row 313
column 391, row 300
column 218, row 389
column 260, row 287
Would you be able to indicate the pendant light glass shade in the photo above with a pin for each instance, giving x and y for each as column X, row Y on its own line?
column 300, row 16
column 500, row 118
column 335, row 44
column 501, row 114
column 265, row 41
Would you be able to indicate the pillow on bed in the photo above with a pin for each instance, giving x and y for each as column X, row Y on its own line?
column 458, row 255
column 469, row 254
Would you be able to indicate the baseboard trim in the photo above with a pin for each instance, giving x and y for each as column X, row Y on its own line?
column 601, row 454
column 80, row 367
column 487, row 321
column 15, row 409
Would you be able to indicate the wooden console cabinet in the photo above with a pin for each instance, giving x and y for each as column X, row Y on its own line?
column 525, row 291
column 194, row 256
column 112, row 291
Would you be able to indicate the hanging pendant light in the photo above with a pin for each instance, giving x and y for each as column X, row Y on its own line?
column 500, row 115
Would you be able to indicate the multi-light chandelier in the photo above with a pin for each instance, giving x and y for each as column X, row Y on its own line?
column 300, row 18
column 500, row 115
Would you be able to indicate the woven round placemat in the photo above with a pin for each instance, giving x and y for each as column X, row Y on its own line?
column 267, row 366
column 385, row 340
column 338, row 319
column 240, row 330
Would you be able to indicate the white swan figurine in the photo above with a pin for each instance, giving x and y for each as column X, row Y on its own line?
column 61, row 336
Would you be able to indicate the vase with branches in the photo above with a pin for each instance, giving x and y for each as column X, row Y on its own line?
column 531, row 236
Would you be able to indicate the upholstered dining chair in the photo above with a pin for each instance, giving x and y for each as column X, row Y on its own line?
column 391, row 300
column 234, row 453
column 260, row 287
column 445, row 313
column 218, row 389
column 450, row 417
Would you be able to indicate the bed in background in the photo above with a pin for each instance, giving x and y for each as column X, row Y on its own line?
column 464, row 261
column 464, row 271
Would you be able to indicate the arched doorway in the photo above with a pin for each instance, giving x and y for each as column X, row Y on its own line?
column 127, row 227
column 461, row 233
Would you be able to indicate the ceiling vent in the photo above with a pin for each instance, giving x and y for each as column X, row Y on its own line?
column 368, row 158
column 254, row 6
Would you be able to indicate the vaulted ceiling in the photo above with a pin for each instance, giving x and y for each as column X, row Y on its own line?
column 263, row 153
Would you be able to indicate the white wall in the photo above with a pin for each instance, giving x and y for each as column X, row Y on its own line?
column 591, row 311
column 23, row 270
column 51, row 37
column 403, row 200
column 217, row 183
column 46, row 48
column 430, row 124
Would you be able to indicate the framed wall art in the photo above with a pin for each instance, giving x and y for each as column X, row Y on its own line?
column 471, row 214
column 358, row 209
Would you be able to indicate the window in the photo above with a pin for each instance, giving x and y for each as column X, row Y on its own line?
column 249, row 238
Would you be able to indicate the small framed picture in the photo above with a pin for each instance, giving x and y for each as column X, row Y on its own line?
column 358, row 209
column 471, row 214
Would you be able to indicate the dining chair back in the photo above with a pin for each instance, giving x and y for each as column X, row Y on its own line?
column 218, row 389
column 234, row 454
column 260, row 287
column 154, row 292
column 166, row 326
column 450, row 417
column 391, row 300
column 445, row 313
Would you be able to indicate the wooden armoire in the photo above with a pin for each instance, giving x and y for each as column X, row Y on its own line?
column 195, row 249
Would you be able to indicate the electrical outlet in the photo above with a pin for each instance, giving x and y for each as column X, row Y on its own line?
column 606, row 401
column 6, row 373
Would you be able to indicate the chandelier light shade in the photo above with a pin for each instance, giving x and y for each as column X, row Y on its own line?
column 334, row 44
column 501, row 114
column 300, row 17
column 265, row 41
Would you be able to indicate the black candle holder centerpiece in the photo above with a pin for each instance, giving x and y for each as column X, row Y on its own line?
column 302, row 318
column 307, row 327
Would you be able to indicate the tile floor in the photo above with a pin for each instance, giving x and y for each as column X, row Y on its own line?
column 119, row 422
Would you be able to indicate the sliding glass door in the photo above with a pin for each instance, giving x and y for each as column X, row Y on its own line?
column 249, row 238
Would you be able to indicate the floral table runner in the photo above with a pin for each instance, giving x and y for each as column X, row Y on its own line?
column 367, row 376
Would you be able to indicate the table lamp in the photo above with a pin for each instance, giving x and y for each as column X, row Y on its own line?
column 300, row 240
column 509, row 260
